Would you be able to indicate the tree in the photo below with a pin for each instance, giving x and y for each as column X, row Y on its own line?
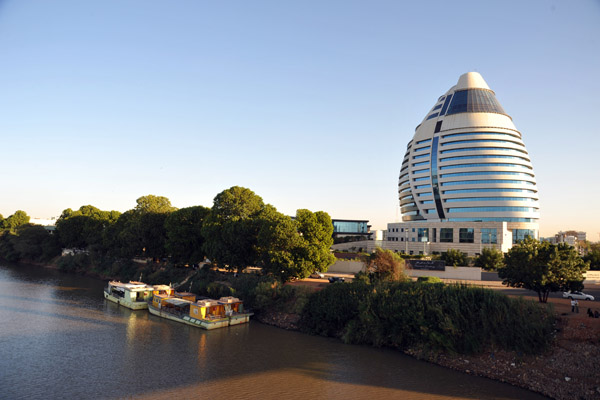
column 19, row 218
column 454, row 257
column 282, row 251
column 153, row 204
column 294, row 248
column 317, row 229
column 593, row 258
column 543, row 268
column 385, row 265
column 184, row 234
column 231, row 229
column 141, row 231
column 84, row 228
column 490, row 259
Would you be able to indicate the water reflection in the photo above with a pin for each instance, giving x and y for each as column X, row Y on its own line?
column 59, row 338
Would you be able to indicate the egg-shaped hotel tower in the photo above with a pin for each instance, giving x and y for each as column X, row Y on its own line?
column 466, row 181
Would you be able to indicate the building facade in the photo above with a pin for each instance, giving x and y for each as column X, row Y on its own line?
column 466, row 180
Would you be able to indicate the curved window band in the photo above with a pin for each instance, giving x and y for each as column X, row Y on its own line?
column 483, row 156
column 490, row 199
column 482, row 149
column 481, row 141
column 493, row 219
column 485, row 165
column 477, row 182
column 481, row 133
column 481, row 190
column 492, row 209
column 486, row 173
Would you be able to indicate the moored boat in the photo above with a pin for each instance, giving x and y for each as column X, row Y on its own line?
column 205, row 314
column 134, row 295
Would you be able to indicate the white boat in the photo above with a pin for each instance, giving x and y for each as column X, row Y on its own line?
column 134, row 295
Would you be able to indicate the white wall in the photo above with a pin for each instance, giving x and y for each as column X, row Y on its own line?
column 591, row 278
column 460, row 273
column 347, row 267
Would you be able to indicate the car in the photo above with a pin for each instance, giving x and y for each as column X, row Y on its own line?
column 334, row 279
column 578, row 296
column 317, row 275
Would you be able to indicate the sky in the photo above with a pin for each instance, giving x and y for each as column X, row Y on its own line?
column 310, row 104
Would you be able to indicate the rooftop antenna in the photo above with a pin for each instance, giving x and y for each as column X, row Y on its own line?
column 191, row 283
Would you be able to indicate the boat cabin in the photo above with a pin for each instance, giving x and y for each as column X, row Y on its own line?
column 132, row 291
column 163, row 290
column 232, row 304
column 209, row 308
column 206, row 309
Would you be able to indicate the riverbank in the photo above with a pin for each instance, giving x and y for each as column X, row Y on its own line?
column 569, row 369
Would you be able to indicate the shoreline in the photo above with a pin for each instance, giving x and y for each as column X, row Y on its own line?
column 567, row 370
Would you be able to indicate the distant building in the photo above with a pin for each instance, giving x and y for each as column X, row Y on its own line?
column 48, row 223
column 357, row 229
column 572, row 238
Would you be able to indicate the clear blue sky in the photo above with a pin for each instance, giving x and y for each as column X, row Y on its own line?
column 310, row 104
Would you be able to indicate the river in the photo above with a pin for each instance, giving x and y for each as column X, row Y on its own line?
column 59, row 339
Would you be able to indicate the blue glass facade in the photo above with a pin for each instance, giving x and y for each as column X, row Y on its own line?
column 475, row 100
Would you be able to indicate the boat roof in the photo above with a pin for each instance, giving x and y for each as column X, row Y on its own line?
column 130, row 286
column 177, row 302
column 162, row 287
column 184, row 294
column 229, row 299
column 207, row 303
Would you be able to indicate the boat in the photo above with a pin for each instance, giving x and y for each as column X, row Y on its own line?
column 204, row 313
column 133, row 295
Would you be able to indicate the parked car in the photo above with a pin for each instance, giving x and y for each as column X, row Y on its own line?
column 577, row 296
column 317, row 275
column 333, row 279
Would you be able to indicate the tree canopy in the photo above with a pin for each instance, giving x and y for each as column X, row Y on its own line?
column 231, row 229
column 295, row 248
column 153, row 204
column 19, row 218
column 239, row 231
column 184, row 234
column 84, row 228
column 543, row 268
column 593, row 258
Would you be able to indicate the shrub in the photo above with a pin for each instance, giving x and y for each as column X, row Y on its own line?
column 327, row 312
column 454, row 258
column 455, row 318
